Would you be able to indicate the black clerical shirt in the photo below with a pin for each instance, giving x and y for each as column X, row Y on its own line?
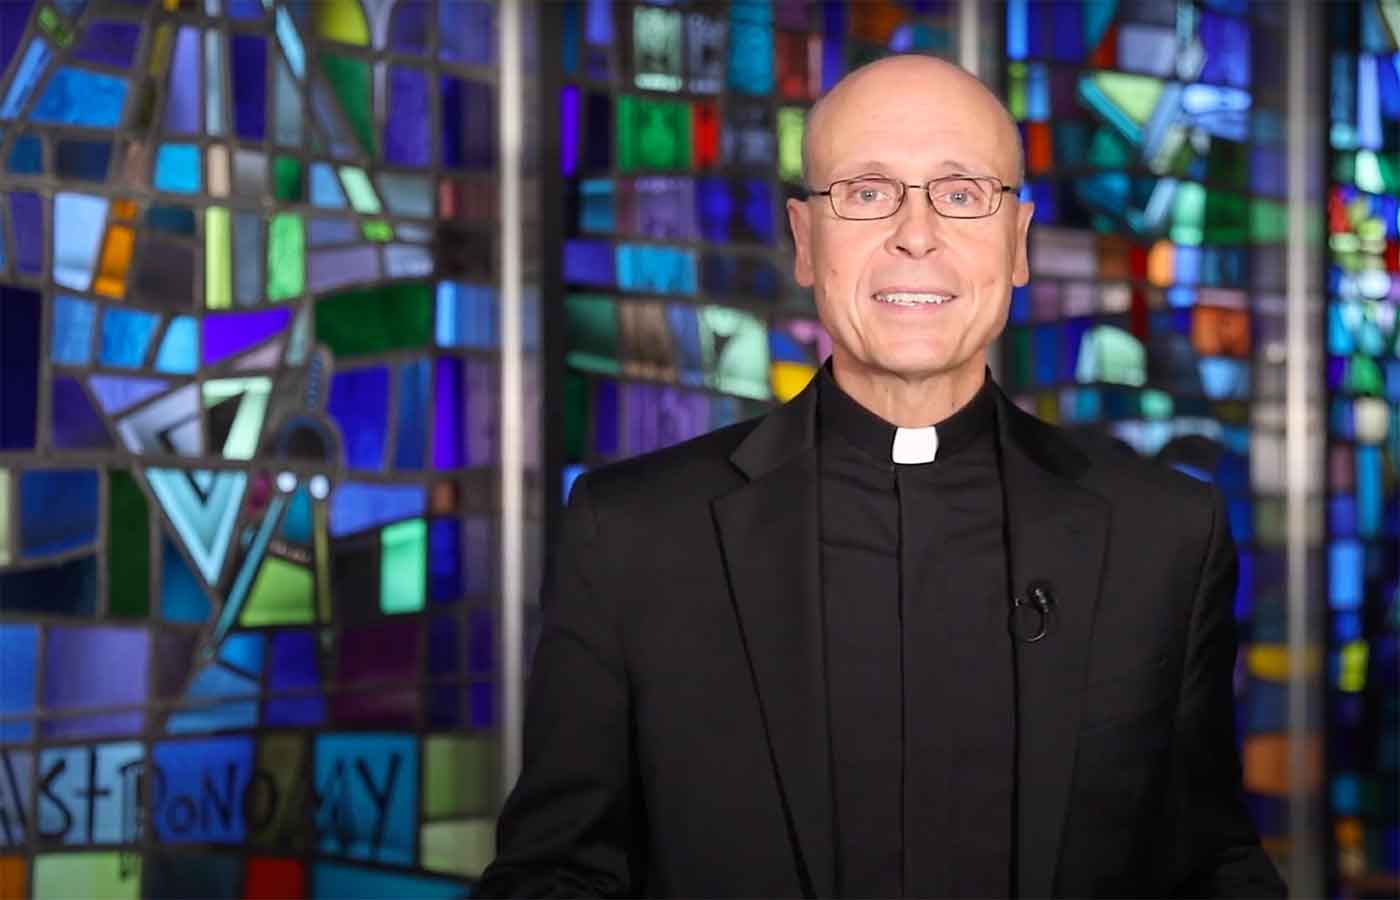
column 919, row 661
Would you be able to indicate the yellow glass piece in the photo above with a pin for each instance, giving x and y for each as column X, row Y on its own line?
column 281, row 596
column 1047, row 407
column 114, row 262
column 1351, row 675
column 1270, row 661
column 343, row 21
column 789, row 378
column 460, row 848
column 1161, row 264
column 218, row 259
column 160, row 50
column 108, row 874
column 321, row 521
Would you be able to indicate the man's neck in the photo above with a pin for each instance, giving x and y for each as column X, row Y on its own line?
column 911, row 403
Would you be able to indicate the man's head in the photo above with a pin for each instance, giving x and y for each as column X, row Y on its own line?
column 911, row 119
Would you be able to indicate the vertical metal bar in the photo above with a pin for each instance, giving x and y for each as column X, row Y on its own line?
column 970, row 36
column 1303, row 130
column 510, row 103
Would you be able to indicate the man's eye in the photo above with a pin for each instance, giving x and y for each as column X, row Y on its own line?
column 869, row 193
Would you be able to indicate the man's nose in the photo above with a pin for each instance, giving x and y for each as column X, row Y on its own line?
column 918, row 228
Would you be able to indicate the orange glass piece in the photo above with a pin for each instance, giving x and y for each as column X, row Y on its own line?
column 115, row 261
column 1220, row 332
column 875, row 20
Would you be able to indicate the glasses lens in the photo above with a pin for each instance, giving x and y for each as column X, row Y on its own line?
column 966, row 198
column 865, row 198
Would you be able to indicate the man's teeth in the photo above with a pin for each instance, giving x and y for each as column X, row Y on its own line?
column 910, row 298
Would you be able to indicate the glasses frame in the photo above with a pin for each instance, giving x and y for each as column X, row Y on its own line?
column 926, row 187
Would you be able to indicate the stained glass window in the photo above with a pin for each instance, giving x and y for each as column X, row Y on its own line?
column 1154, row 155
column 680, row 130
column 248, row 447
column 1363, row 449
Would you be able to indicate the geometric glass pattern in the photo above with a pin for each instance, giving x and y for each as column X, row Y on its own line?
column 1154, row 156
column 1363, row 450
column 248, row 447
column 680, row 141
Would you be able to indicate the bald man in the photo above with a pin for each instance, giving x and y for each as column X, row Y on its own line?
column 897, row 637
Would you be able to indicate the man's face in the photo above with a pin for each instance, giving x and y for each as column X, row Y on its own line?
column 910, row 121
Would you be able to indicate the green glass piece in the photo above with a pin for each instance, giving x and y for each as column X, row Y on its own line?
column 282, row 595
column 1156, row 404
column 791, row 123
column 1227, row 163
column 59, row 31
column 403, row 567
column 1020, row 357
column 128, row 547
column 350, row 78
column 286, row 257
column 360, row 191
column 1227, row 218
column 1016, row 90
column 592, row 333
column 251, row 395
column 378, row 230
column 1268, row 222
column 1344, row 168
column 286, row 180
column 1368, row 172
column 652, row 134
column 218, row 259
column 110, row 874
column 463, row 849
column 1188, row 214
column 577, row 415
column 457, row 776
column 1109, row 151
column 393, row 316
column 1363, row 377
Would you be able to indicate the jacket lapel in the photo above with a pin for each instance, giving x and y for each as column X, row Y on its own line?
column 769, row 532
column 1057, row 531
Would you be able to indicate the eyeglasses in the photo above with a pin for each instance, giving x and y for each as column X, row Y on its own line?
column 952, row 196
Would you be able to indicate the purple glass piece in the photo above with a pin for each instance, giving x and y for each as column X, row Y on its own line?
column 293, row 661
column 14, row 16
column 408, row 29
column 468, row 124
column 568, row 129
column 327, row 269
column 589, row 263
column 76, row 425
column 599, row 27
column 109, row 44
column 480, row 555
column 448, row 449
column 227, row 334
column 444, row 657
column 249, row 58
column 481, row 642
column 95, row 667
column 409, row 130
column 28, row 212
column 1068, row 31
column 186, row 94
column 483, row 705
column 1227, row 46
column 791, row 14
column 1336, row 371
column 445, row 560
column 444, row 706
column 483, row 413
column 466, row 31
column 385, row 651
column 21, row 315
column 833, row 44
column 359, row 403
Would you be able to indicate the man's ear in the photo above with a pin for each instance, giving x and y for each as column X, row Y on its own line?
column 1020, row 267
column 800, row 221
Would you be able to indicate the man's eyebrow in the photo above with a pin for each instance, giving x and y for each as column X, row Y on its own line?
column 873, row 166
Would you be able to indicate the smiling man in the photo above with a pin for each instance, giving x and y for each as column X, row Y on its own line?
column 896, row 638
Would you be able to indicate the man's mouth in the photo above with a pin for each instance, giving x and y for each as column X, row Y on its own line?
column 914, row 298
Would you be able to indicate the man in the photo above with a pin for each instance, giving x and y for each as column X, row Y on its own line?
column 897, row 637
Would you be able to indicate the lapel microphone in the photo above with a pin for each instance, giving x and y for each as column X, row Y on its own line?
column 1031, row 614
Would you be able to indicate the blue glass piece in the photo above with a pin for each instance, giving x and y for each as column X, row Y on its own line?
column 572, row 472
column 126, row 336
column 588, row 263
column 325, row 189
column 363, row 824
column 1341, row 516
column 183, row 98
column 177, row 169
column 248, row 58
column 290, row 41
column 296, row 522
column 78, row 220
column 1067, row 32
column 1224, row 379
column 292, row 662
column 337, row 881
column 80, row 97
column 445, row 560
column 410, row 439
column 66, row 589
column 408, row 128
column 171, row 219
column 57, row 510
column 758, row 210
column 1368, row 106
column 244, row 652
column 468, row 123
column 409, row 27
column 1370, row 490
column 27, row 155
column 83, row 160
column 186, row 766
column 179, row 350
column 21, row 316
column 76, row 424
column 715, row 207
column 109, row 44
column 215, row 681
column 1227, row 46
column 1345, row 564
column 14, row 16
column 31, row 69
column 751, row 47
column 466, row 31
column 1017, row 39
column 483, row 704
column 73, row 325
column 444, row 656
column 27, row 215
column 356, row 506
column 182, row 597
column 657, row 270
column 597, row 207
column 245, row 9
column 467, row 315
column 19, row 651
column 606, row 422
column 1037, row 93
column 332, row 231
column 359, row 404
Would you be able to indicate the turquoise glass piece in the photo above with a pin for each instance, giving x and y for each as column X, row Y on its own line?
column 177, row 169
column 179, row 350
column 26, row 156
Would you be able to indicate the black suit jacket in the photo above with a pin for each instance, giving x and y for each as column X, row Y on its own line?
column 676, row 726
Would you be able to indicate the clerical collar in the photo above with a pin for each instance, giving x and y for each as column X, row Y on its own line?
column 889, row 443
